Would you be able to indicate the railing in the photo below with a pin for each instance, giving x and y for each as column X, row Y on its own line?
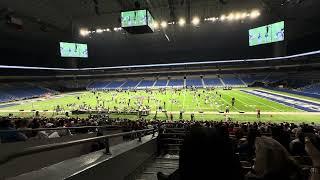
column 61, row 128
column 49, row 147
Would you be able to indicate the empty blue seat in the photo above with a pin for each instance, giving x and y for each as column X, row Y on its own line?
column 114, row 85
column 161, row 83
column 194, row 82
column 176, row 83
column 145, row 84
column 212, row 82
column 130, row 84
column 230, row 81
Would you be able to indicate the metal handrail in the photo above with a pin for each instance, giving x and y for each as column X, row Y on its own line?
column 49, row 147
column 59, row 128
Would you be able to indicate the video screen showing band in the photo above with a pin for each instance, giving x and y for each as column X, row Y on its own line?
column 74, row 50
column 267, row 34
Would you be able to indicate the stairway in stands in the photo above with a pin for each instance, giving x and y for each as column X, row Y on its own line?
column 166, row 164
column 171, row 138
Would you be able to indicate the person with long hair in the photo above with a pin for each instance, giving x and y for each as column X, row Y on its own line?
column 273, row 162
column 207, row 153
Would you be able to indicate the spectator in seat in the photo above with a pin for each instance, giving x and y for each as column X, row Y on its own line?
column 313, row 149
column 248, row 147
column 297, row 145
column 7, row 137
column 23, row 125
column 206, row 154
column 63, row 132
column 273, row 162
column 282, row 136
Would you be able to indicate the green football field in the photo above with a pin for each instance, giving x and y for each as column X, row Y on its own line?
column 204, row 104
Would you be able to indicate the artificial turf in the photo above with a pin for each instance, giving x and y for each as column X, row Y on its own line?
column 207, row 106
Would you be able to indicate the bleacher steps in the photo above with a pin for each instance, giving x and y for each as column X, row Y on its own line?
column 164, row 165
column 107, row 85
column 244, row 83
column 203, row 84
column 138, row 84
column 267, row 77
column 222, row 82
column 122, row 84
column 155, row 82
column 167, row 83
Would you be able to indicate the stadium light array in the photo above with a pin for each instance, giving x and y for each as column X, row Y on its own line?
column 182, row 22
column 223, row 17
column 164, row 24
column 234, row 16
column 254, row 14
column 244, row 15
column 116, row 29
column 212, row 19
column 231, row 17
column 195, row 21
column 84, row 32
column 237, row 16
column 99, row 30
column 156, row 25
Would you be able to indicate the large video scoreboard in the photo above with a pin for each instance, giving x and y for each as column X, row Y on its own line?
column 137, row 21
column 74, row 50
column 267, row 34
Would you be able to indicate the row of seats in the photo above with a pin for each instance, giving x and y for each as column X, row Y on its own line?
column 162, row 83
column 313, row 89
column 21, row 91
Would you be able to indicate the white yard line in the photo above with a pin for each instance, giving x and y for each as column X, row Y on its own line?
column 282, row 112
column 262, row 102
column 229, row 104
column 248, row 105
column 211, row 102
column 184, row 98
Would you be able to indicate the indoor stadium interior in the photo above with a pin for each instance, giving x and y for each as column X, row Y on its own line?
column 160, row 89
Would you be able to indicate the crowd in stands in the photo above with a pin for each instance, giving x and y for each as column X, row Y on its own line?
column 216, row 150
column 211, row 149
column 9, row 127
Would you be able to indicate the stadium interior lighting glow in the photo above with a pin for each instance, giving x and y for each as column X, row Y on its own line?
column 116, row 29
column 213, row 19
column 164, row 24
column 84, row 32
column 156, row 25
column 99, row 30
column 196, row 21
column 231, row 17
column 182, row 22
column 255, row 14
column 223, row 17
column 243, row 15
column 238, row 16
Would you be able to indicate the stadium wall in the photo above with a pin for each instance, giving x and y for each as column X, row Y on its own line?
column 36, row 161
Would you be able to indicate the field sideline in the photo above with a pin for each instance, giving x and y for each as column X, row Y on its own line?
column 205, row 104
